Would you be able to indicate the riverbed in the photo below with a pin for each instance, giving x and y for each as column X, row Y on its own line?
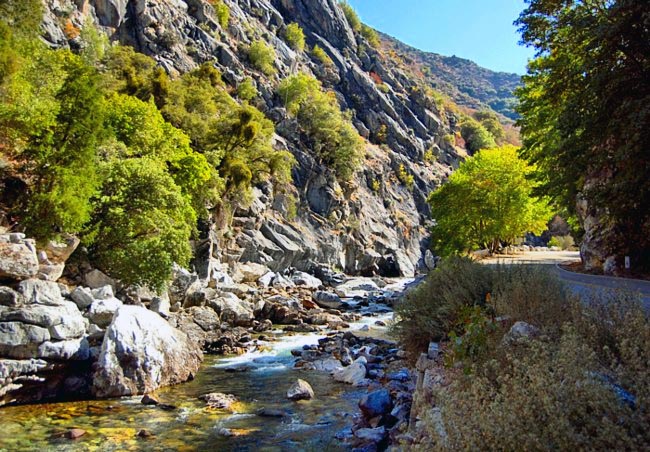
column 259, row 379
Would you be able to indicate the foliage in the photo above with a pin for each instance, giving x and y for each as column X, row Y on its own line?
column 431, row 310
column 143, row 223
column 329, row 132
column 370, row 35
column 295, row 37
column 246, row 90
column 585, row 106
column 564, row 242
column 488, row 200
column 318, row 53
column 262, row 56
column 405, row 177
column 351, row 16
column 594, row 353
column 430, row 156
column 223, row 12
column 490, row 120
column 476, row 136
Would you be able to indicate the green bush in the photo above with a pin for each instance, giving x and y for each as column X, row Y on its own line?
column 223, row 12
column 295, row 37
column 330, row 133
column 351, row 16
column 476, row 136
column 564, row 242
column 318, row 53
column 262, row 56
column 430, row 311
column 246, row 90
column 371, row 35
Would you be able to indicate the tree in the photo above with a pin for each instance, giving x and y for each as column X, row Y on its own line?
column 476, row 136
column 143, row 223
column 585, row 108
column 330, row 133
column 486, row 202
column 262, row 56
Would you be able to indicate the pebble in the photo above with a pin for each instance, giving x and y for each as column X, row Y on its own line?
column 75, row 433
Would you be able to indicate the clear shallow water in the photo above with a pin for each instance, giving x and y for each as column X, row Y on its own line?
column 112, row 425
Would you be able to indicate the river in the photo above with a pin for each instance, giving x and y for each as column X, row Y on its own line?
column 259, row 379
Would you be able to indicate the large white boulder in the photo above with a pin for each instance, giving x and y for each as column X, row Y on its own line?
column 18, row 260
column 142, row 352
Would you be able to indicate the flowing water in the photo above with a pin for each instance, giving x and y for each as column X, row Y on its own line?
column 259, row 378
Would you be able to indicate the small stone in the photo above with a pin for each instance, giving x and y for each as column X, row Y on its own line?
column 300, row 390
column 144, row 434
column 376, row 403
column 271, row 412
column 218, row 400
column 166, row 407
column 75, row 433
column 148, row 400
column 433, row 351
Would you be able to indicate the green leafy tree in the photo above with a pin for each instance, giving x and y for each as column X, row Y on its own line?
column 585, row 108
column 486, row 202
column 143, row 223
column 330, row 133
column 490, row 121
column 295, row 37
column 476, row 136
column 262, row 56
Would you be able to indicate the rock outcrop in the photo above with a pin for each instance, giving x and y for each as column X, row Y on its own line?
column 142, row 352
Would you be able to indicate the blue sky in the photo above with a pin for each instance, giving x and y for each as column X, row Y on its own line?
column 479, row 30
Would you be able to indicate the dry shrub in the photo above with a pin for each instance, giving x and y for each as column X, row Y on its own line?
column 430, row 311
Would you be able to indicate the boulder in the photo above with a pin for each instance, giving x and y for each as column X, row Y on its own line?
column 374, row 435
column 96, row 278
column 306, row 280
column 41, row 292
column 251, row 272
column 142, row 352
column 160, row 305
column 18, row 261
column 327, row 300
column 103, row 293
column 50, row 271
column 182, row 279
column 82, row 296
column 329, row 365
column 300, row 390
column 376, row 403
column 20, row 340
column 205, row 317
column 63, row 321
column 101, row 311
column 233, row 310
column 354, row 374
column 218, row 400
column 59, row 251
column 521, row 332
column 356, row 287
column 267, row 279
column 75, row 349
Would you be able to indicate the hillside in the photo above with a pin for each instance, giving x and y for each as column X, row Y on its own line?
column 464, row 81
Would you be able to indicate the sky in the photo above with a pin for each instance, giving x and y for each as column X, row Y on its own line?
column 479, row 30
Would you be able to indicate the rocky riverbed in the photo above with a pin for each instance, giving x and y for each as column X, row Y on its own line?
column 300, row 359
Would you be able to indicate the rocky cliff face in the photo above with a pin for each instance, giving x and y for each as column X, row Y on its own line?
column 377, row 223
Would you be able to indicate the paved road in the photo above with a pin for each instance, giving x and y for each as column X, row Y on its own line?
column 580, row 283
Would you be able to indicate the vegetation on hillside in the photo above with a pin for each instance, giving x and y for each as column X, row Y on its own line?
column 585, row 109
column 295, row 37
column 486, row 202
column 578, row 381
column 329, row 132
column 104, row 144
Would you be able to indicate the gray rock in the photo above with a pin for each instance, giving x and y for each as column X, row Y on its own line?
column 9, row 297
column 306, row 280
column 267, row 279
column 17, row 261
column 103, row 293
column 142, row 352
column 300, row 390
column 161, row 306
column 328, row 365
column 96, row 279
column 101, row 311
column 50, row 271
column 59, row 251
column 376, row 403
column 82, row 296
column 74, row 349
column 218, row 400
column 354, row 374
column 21, row 340
column 251, row 272
column 41, row 292
column 356, row 287
column 434, row 350
column 233, row 310
column 205, row 317
column 374, row 435
column 521, row 332
column 181, row 282
column 327, row 300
